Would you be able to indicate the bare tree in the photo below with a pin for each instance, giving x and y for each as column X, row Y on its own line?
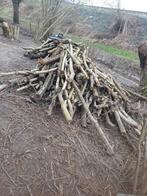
column 46, row 19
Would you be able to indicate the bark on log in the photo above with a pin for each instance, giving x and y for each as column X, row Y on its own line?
column 45, row 85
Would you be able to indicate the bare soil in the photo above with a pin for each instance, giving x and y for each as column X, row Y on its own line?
column 45, row 156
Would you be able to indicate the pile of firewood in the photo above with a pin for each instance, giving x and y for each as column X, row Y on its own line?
column 66, row 76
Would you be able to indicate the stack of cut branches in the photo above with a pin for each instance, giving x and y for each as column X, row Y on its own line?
column 66, row 76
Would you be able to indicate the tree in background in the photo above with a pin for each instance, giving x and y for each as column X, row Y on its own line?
column 16, row 4
column 46, row 19
column 142, row 52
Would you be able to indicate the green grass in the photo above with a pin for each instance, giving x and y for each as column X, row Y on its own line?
column 118, row 52
column 126, row 54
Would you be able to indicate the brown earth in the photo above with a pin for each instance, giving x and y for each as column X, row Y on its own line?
column 45, row 156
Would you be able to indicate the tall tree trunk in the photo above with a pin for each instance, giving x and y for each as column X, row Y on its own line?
column 142, row 52
column 143, row 78
column 15, row 12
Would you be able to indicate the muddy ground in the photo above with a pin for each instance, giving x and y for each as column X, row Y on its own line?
column 44, row 156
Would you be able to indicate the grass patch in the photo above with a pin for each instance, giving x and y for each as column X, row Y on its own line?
column 118, row 52
column 126, row 54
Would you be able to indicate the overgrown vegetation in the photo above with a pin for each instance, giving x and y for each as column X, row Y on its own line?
column 130, row 55
column 118, row 52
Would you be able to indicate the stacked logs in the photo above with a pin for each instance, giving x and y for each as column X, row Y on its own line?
column 66, row 76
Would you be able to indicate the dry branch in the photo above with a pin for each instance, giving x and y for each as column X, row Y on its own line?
column 27, row 72
column 93, row 120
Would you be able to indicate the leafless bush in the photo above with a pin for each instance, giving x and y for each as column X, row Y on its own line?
column 46, row 17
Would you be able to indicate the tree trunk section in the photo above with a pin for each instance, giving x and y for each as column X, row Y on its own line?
column 6, row 30
column 143, row 76
column 5, row 27
column 15, row 12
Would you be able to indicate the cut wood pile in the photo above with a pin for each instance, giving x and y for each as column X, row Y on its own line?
column 66, row 76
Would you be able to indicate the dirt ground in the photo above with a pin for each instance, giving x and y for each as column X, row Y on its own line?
column 45, row 156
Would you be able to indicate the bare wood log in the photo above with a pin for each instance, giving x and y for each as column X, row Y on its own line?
column 64, row 108
column 26, row 87
column 93, row 120
column 125, row 98
column 89, row 69
column 47, row 49
column 70, row 105
column 131, row 122
column 137, row 95
column 75, row 59
column 43, row 89
column 122, row 129
column 71, row 93
column 49, row 60
column 119, row 122
column 64, row 85
column 84, row 118
column 43, row 68
column 51, row 82
column 52, row 51
column 109, row 121
column 64, row 61
column 72, row 72
column 52, row 104
column 103, row 104
column 120, row 91
column 27, row 72
column 38, row 48
column 57, row 83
